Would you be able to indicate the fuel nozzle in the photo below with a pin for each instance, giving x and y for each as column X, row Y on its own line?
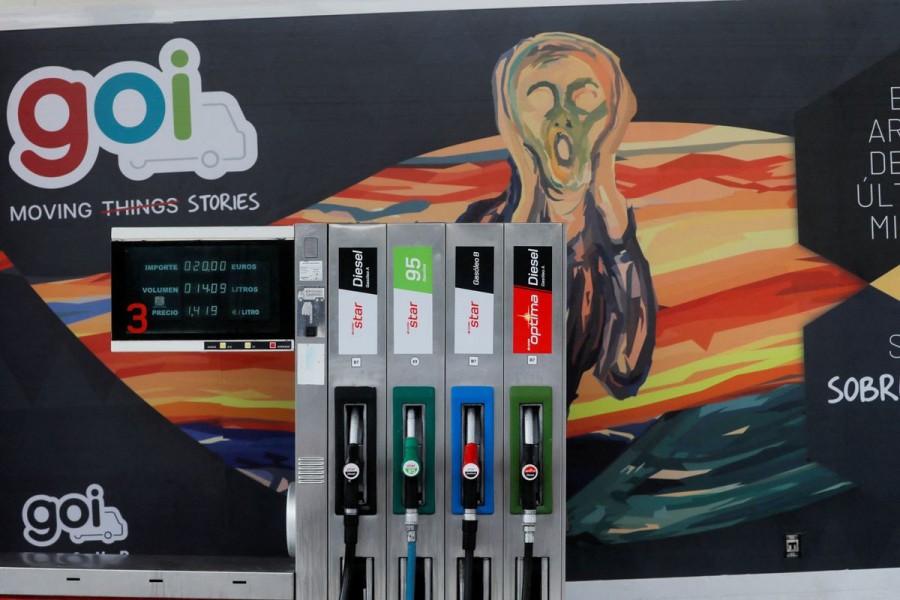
column 471, row 470
column 352, row 472
column 530, row 459
column 412, row 472
column 528, row 489
column 471, row 474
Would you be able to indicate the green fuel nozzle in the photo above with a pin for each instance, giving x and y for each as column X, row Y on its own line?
column 412, row 464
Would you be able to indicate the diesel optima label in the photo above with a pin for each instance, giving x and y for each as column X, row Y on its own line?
column 473, row 300
column 358, row 301
column 532, row 318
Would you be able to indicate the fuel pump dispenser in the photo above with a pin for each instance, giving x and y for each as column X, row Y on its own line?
column 415, row 368
column 357, row 411
column 534, row 430
column 429, row 388
column 474, row 372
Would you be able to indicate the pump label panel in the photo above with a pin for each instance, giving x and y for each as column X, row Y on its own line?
column 532, row 318
column 473, row 300
column 358, row 301
column 413, row 300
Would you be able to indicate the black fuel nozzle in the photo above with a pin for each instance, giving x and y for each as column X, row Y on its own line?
column 353, row 477
column 529, row 489
column 530, row 459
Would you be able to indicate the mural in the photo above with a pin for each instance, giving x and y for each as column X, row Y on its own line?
column 729, row 331
column 688, row 399
column 563, row 105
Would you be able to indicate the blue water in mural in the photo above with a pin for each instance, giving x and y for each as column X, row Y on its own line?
column 705, row 468
column 267, row 454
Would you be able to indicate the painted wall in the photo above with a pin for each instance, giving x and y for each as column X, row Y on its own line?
column 719, row 345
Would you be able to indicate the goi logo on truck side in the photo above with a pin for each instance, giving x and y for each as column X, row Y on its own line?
column 84, row 517
column 154, row 120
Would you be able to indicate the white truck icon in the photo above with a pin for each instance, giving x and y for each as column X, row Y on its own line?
column 222, row 140
column 111, row 529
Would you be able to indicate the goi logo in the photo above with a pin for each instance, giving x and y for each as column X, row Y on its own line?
column 86, row 518
column 154, row 120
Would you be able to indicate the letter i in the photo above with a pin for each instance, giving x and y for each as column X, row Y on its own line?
column 181, row 97
column 94, row 493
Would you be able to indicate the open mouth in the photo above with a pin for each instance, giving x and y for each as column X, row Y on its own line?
column 562, row 148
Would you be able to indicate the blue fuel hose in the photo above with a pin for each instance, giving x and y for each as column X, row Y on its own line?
column 411, row 570
column 412, row 470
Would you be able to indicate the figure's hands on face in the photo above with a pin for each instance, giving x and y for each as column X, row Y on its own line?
column 562, row 110
column 563, row 105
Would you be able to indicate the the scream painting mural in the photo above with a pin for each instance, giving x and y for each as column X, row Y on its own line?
column 694, row 426
column 563, row 105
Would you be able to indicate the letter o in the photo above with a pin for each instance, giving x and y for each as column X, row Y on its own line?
column 153, row 99
column 70, row 521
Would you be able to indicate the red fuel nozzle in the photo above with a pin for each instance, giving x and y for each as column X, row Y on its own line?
column 471, row 465
column 470, row 458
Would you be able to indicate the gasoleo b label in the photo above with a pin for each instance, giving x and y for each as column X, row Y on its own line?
column 473, row 300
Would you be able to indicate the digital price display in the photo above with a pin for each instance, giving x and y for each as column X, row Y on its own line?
column 226, row 294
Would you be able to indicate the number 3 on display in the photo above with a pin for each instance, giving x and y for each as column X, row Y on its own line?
column 138, row 318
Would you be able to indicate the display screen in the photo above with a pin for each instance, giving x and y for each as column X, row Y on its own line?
column 202, row 290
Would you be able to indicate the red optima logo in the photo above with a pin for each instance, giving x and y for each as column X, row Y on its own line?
column 532, row 323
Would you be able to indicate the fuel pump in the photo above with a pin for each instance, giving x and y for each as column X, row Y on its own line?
column 357, row 412
column 415, row 369
column 375, row 357
column 474, row 371
column 534, row 388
